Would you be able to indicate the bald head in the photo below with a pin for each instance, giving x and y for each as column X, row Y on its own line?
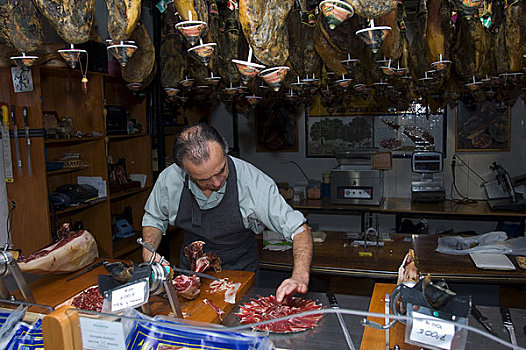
column 193, row 144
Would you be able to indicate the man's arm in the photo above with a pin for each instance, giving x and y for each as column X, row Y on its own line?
column 302, row 251
column 152, row 236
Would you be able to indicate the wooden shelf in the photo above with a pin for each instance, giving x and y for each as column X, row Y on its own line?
column 122, row 246
column 66, row 170
column 73, row 140
column 170, row 130
column 125, row 194
column 125, row 137
column 81, row 207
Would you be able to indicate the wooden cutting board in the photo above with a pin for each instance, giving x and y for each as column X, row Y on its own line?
column 55, row 290
column 374, row 339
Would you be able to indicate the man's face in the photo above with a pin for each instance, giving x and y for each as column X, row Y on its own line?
column 211, row 174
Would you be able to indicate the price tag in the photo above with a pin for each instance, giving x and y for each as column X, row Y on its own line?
column 432, row 331
column 132, row 295
column 99, row 334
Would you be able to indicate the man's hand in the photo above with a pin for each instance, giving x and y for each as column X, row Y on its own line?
column 291, row 286
column 299, row 281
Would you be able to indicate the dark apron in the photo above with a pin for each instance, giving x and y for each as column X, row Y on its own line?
column 221, row 227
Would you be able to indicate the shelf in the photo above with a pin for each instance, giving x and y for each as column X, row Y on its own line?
column 73, row 140
column 122, row 246
column 81, row 207
column 66, row 170
column 125, row 137
column 171, row 130
column 125, row 194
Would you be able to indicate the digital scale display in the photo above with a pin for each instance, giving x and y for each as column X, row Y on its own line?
column 355, row 192
column 426, row 162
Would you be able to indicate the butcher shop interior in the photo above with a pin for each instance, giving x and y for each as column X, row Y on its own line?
column 250, row 174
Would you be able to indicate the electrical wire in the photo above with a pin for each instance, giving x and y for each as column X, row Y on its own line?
column 455, row 156
column 463, row 199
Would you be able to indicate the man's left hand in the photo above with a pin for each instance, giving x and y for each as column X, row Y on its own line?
column 291, row 286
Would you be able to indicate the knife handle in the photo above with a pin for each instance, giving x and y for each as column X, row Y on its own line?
column 5, row 115
column 332, row 300
column 13, row 118
column 26, row 117
column 506, row 316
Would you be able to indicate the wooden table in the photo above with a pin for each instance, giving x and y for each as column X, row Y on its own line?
column 334, row 258
column 331, row 257
column 405, row 207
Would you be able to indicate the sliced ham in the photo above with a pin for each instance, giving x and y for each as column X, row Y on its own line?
column 187, row 286
column 407, row 272
column 268, row 308
column 70, row 253
column 228, row 287
column 216, row 308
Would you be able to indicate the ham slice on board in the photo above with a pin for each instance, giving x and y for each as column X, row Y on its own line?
column 267, row 308
column 70, row 253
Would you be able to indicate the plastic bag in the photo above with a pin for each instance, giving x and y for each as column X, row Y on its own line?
column 167, row 332
column 490, row 242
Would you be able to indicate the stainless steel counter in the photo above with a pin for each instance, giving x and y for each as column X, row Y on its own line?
column 328, row 334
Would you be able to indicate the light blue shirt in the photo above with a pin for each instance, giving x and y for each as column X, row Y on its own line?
column 260, row 202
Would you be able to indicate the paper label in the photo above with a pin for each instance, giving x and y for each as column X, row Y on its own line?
column 432, row 331
column 98, row 334
column 130, row 296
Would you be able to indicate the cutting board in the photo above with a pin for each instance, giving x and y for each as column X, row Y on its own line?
column 374, row 338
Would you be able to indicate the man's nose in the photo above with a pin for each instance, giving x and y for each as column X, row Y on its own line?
column 216, row 181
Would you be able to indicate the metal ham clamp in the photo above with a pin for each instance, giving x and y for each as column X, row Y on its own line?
column 161, row 279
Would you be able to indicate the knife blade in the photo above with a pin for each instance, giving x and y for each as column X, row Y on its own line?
column 508, row 324
column 8, row 163
column 334, row 305
column 190, row 272
column 483, row 320
column 17, row 149
column 28, row 142
column 92, row 267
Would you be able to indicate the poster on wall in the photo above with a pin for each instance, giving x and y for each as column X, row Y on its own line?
column 276, row 128
column 405, row 133
column 326, row 135
column 482, row 127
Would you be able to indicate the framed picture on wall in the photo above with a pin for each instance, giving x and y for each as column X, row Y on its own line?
column 276, row 128
column 482, row 127
column 325, row 135
column 404, row 133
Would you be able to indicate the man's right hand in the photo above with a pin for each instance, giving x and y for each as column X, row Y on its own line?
column 152, row 236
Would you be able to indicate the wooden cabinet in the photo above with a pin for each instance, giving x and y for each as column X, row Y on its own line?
column 59, row 90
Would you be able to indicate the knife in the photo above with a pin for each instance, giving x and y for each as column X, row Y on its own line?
column 506, row 321
column 28, row 142
column 92, row 267
column 190, row 272
column 6, row 143
column 334, row 305
column 483, row 320
column 17, row 149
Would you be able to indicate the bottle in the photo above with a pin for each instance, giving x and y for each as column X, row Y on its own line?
column 326, row 186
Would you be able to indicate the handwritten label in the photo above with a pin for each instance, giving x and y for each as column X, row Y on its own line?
column 432, row 331
column 98, row 334
column 129, row 296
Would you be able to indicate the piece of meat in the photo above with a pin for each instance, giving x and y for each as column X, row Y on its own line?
column 418, row 49
column 391, row 47
column 228, row 287
column 228, row 40
column 470, row 55
column 141, row 65
column 408, row 272
column 438, row 31
column 515, row 32
column 71, row 19
column 263, row 23
column 90, row 299
column 187, row 286
column 220, row 312
column 21, row 25
column 193, row 252
column 173, row 59
column 267, row 308
column 198, row 8
column 372, row 8
column 122, row 18
column 70, row 253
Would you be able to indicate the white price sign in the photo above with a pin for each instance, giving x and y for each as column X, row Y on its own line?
column 129, row 296
column 432, row 331
column 100, row 334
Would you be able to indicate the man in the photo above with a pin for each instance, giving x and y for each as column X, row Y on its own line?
column 223, row 201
